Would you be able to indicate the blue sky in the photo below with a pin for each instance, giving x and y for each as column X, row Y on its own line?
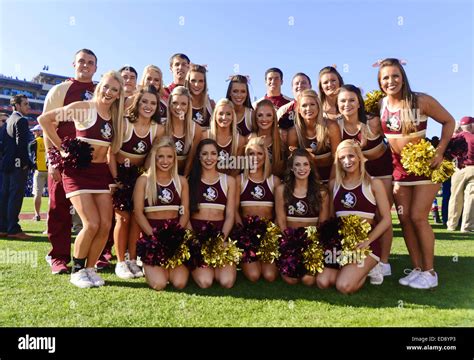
column 435, row 37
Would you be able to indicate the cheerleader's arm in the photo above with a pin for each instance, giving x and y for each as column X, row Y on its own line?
column 238, row 219
column 383, row 208
column 184, row 210
column 280, row 207
column 230, row 207
column 325, row 208
column 139, row 204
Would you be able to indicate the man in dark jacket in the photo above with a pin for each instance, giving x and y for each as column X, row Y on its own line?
column 15, row 166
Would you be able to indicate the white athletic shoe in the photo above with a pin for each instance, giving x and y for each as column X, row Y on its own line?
column 48, row 260
column 134, row 268
column 411, row 275
column 94, row 277
column 386, row 269
column 81, row 279
column 375, row 275
column 424, row 280
column 122, row 271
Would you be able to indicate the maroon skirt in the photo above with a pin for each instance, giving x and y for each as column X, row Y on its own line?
column 198, row 224
column 381, row 167
column 401, row 176
column 95, row 179
column 324, row 173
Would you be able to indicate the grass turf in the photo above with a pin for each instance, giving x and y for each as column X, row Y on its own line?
column 32, row 297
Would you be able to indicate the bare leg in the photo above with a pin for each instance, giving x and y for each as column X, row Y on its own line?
column 156, row 277
column 103, row 203
column 352, row 276
column 121, row 230
column 203, row 277
column 252, row 271
column 89, row 214
column 269, row 272
column 226, row 276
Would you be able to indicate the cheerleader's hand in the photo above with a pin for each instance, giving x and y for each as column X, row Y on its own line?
column 365, row 244
column 292, row 148
column 437, row 160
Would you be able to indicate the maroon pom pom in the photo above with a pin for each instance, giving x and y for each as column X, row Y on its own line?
column 330, row 240
column 292, row 244
column 158, row 248
column 127, row 177
column 79, row 153
column 249, row 236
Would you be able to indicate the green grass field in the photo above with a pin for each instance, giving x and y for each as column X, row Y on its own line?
column 32, row 297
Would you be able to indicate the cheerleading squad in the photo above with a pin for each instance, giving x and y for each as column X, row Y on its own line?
column 311, row 202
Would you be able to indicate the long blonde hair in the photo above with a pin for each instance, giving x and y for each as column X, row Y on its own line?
column 340, row 173
column 322, row 136
column 151, row 191
column 409, row 98
column 267, row 168
column 116, row 109
column 188, row 117
column 278, row 160
column 147, row 69
column 234, row 131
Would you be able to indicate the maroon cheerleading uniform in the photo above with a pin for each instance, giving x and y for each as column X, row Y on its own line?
column 96, row 178
column 277, row 101
column 244, row 125
column 169, row 89
column 393, row 129
column 180, row 142
column 202, row 116
column 359, row 201
column 211, row 196
column 380, row 168
column 286, row 115
column 135, row 146
column 324, row 172
column 224, row 151
column 299, row 210
column 257, row 193
column 59, row 212
column 169, row 199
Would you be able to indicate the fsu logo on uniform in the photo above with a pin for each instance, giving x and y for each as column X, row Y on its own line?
column 166, row 196
column 223, row 154
column 106, row 131
column 349, row 200
column 300, row 209
column 394, row 123
column 140, row 148
column 210, row 194
column 258, row 192
column 198, row 118
column 179, row 147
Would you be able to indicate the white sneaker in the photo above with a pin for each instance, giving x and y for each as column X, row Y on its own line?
column 94, row 277
column 81, row 279
column 48, row 260
column 411, row 275
column 375, row 275
column 134, row 268
column 424, row 280
column 122, row 271
column 386, row 269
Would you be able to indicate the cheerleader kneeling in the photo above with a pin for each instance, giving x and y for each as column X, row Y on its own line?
column 356, row 195
column 161, row 203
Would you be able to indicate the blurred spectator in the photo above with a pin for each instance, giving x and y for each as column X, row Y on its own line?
column 462, row 183
column 37, row 153
column 3, row 119
column 15, row 166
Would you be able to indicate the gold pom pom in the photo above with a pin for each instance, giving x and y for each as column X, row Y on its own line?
column 182, row 254
column 354, row 230
column 268, row 251
column 314, row 254
column 416, row 159
column 444, row 172
column 371, row 103
column 217, row 252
